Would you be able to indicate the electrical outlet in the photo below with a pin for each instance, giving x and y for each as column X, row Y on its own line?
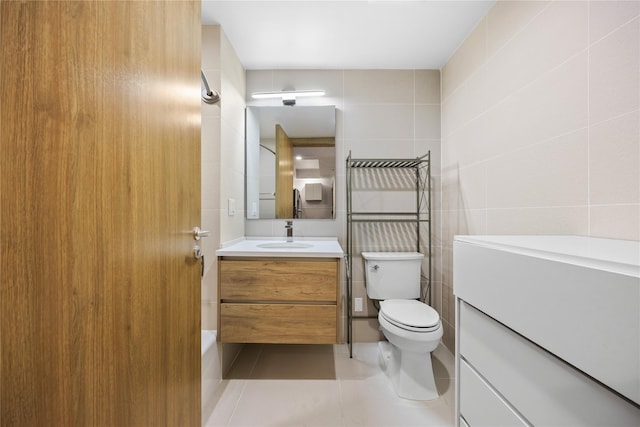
column 358, row 304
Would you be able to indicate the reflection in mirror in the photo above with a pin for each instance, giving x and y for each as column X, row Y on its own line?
column 291, row 160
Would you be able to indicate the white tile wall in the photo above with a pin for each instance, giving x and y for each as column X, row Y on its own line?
column 210, row 172
column 222, row 158
column 541, row 124
column 222, row 175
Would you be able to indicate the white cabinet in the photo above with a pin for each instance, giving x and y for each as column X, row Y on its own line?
column 480, row 404
column 541, row 374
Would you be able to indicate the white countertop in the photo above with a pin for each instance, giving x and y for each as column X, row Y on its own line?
column 617, row 256
column 248, row 247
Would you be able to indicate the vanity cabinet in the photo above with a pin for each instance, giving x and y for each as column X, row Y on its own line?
column 279, row 300
column 547, row 331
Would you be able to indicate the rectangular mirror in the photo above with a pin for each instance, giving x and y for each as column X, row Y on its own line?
column 291, row 162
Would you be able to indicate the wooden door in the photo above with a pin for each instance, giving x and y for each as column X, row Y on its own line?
column 100, row 185
column 284, row 174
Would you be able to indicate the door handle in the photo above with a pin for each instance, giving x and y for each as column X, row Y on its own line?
column 197, row 233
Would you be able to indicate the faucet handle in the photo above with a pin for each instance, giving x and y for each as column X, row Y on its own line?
column 289, row 224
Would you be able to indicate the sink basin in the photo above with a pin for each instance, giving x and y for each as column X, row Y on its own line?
column 284, row 245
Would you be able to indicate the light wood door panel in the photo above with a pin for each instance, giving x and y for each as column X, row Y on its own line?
column 284, row 174
column 100, row 153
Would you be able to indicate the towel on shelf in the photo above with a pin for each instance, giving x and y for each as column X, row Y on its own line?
column 313, row 192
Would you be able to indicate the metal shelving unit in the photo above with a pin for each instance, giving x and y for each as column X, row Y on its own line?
column 381, row 175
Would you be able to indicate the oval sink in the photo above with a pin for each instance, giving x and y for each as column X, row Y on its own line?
column 284, row 245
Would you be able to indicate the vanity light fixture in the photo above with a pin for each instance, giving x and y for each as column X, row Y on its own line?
column 288, row 96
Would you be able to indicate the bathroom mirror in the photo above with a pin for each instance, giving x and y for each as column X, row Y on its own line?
column 290, row 162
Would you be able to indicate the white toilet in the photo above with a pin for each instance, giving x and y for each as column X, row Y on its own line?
column 412, row 328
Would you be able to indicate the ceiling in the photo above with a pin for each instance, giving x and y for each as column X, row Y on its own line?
column 360, row 34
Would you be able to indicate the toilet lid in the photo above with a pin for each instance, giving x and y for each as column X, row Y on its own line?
column 410, row 313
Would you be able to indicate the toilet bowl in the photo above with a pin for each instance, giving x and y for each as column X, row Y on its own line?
column 412, row 328
column 406, row 358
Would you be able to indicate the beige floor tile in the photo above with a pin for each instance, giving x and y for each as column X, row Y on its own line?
column 288, row 403
column 357, row 394
column 312, row 362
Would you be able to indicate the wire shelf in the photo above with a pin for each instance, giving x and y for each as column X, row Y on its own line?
column 420, row 169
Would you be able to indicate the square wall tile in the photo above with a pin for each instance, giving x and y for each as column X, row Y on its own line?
column 552, row 105
column 427, row 86
column 465, row 188
column 467, row 103
column 210, row 139
column 550, row 174
column 422, row 146
column 461, row 222
column 507, row 18
column 369, row 148
column 437, row 264
column 469, row 143
column 209, row 315
column 427, row 121
column 210, row 56
column 552, row 220
column 210, row 177
column 558, row 32
column 614, row 160
column 436, row 297
column 378, row 87
column 390, row 121
column 614, row 67
column 615, row 222
column 448, row 309
column 449, row 337
column 259, row 81
column 230, row 64
column 607, row 16
column 209, row 288
column 469, row 57
column 447, row 266
column 366, row 330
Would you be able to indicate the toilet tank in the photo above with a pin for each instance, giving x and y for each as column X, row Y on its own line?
column 392, row 275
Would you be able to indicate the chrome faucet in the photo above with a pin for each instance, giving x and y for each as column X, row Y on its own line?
column 289, row 227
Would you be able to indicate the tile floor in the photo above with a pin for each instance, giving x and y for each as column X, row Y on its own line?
column 297, row 385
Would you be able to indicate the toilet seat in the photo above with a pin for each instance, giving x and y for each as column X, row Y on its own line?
column 410, row 315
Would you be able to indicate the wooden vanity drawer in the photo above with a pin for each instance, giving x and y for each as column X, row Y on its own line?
column 278, row 280
column 278, row 323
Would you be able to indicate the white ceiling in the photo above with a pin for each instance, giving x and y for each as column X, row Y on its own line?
column 360, row 34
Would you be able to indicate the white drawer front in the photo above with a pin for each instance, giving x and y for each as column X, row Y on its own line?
column 544, row 389
column 480, row 405
column 553, row 304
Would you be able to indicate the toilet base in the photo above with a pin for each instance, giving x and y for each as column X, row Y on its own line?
column 410, row 373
